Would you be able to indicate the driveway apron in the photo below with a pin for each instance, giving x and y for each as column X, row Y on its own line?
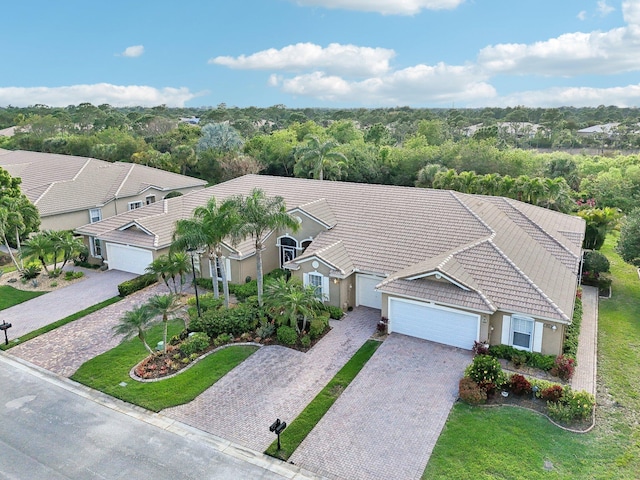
column 387, row 421
column 53, row 306
column 275, row 382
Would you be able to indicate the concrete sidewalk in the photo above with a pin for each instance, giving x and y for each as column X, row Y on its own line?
column 584, row 377
column 53, row 306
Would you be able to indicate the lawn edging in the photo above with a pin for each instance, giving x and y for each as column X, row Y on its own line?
column 63, row 321
column 299, row 428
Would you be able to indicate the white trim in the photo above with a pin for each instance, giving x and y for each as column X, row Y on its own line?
column 538, row 332
column 309, row 216
column 130, row 205
column 439, row 275
column 358, row 286
column 314, row 257
column 506, row 329
column 530, row 321
column 99, row 215
column 137, row 225
column 426, row 300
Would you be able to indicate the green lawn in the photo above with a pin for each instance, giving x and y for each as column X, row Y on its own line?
column 507, row 443
column 296, row 432
column 59, row 323
column 10, row 296
column 105, row 373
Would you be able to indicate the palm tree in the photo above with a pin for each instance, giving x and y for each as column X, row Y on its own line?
column 170, row 266
column 160, row 268
column 18, row 216
column 290, row 302
column 70, row 247
column 164, row 305
column 208, row 228
column 38, row 246
column 321, row 156
column 260, row 215
column 134, row 323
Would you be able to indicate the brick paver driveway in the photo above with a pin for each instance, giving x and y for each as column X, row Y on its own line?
column 275, row 382
column 386, row 423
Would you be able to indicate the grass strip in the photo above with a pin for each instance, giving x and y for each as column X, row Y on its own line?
column 106, row 372
column 10, row 296
column 60, row 323
column 297, row 431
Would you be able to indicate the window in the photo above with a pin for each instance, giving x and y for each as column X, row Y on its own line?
column 522, row 332
column 134, row 205
column 288, row 249
column 305, row 244
column 150, row 199
column 316, row 280
column 95, row 246
column 227, row 264
column 95, row 215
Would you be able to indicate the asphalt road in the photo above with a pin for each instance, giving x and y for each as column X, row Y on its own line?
column 50, row 429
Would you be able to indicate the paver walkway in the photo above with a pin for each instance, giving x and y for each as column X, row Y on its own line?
column 584, row 377
column 275, row 382
column 387, row 421
column 65, row 349
column 53, row 306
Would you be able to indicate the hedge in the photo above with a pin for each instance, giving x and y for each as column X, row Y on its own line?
column 130, row 286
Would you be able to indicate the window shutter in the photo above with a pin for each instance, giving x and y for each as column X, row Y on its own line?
column 227, row 264
column 537, row 337
column 305, row 279
column 325, row 288
column 505, row 339
column 212, row 274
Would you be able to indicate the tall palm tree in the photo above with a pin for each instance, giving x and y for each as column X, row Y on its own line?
column 260, row 215
column 160, row 268
column 18, row 216
column 322, row 157
column 170, row 266
column 208, row 228
column 165, row 305
column 134, row 323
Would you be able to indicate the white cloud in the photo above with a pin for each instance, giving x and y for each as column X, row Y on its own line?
column 626, row 96
column 385, row 7
column 582, row 15
column 116, row 95
column 604, row 9
column 335, row 58
column 631, row 12
column 418, row 85
column 570, row 54
column 133, row 51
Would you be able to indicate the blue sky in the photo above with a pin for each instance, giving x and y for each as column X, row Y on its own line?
column 321, row 53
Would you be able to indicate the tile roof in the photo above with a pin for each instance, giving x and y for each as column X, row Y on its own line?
column 65, row 183
column 509, row 255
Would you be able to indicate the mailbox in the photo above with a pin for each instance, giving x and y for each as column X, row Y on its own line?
column 281, row 427
column 275, row 425
column 4, row 325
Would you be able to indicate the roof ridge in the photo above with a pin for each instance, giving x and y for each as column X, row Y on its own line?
column 474, row 214
column 508, row 201
column 46, row 190
column 81, row 169
column 530, row 281
column 126, row 177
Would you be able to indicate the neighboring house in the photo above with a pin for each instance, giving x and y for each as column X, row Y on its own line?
column 517, row 129
column 449, row 267
column 70, row 191
column 606, row 129
column 8, row 132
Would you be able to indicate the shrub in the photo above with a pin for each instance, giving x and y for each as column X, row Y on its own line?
column 581, row 403
column 234, row 321
column 71, row 275
column 552, row 393
column 318, row 325
column 334, row 312
column 222, row 339
column 470, row 392
column 245, row 290
column 533, row 359
column 265, row 329
column 519, row 359
column 540, row 385
column 305, row 341
column 596, row 262
column 480, row 348
column 205, row 283
column 287, row 335
column 30, row 271
column 560, row 412
column 207, row 302
column 572, row 331
column 55, row 273
column 486, row 371
column 194, row 343
column 130, row 286
column 520, row 385
column 543, row 362
column 563, row 368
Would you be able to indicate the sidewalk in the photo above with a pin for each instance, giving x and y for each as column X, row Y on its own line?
column 584, row 377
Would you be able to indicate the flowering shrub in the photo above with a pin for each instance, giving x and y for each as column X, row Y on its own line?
column 470, row 392
column 564, row 367
column 552, row 393
column 572, row 405
column 480, row 348
column 520, row 385
column 486, row 371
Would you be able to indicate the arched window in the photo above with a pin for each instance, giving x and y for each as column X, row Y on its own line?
column 305, row 244
column 288, row 249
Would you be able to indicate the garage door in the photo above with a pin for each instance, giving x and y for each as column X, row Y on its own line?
column 128, row 259
column 366, row 294
column 438, row 324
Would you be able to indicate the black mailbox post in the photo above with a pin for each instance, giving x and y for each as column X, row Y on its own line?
column 278, row 427
column 5, row 326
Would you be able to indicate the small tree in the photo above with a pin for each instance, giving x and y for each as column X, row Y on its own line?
column 629, row 242
column 165, row 305
column 292, row 303
column 135, row 323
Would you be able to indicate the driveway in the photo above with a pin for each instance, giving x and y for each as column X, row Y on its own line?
column 275, row 382
column 386, row 423
column 53, row 306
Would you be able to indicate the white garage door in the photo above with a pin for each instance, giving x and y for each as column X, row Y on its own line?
column 366, row 294
column 128, row 259
column 438, row 324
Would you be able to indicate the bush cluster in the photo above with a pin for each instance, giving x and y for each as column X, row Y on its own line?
column 234, row 321
column 572, row 332
column 519, row 385
column 130, row 286
column 195, row 343
column 571, row 406
column 552, row 393
column 334, row 312
column 287, row 335
column 532, row 359
column 486, row 371
column 318, row 325
column 564, row 367
column 72, row 275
